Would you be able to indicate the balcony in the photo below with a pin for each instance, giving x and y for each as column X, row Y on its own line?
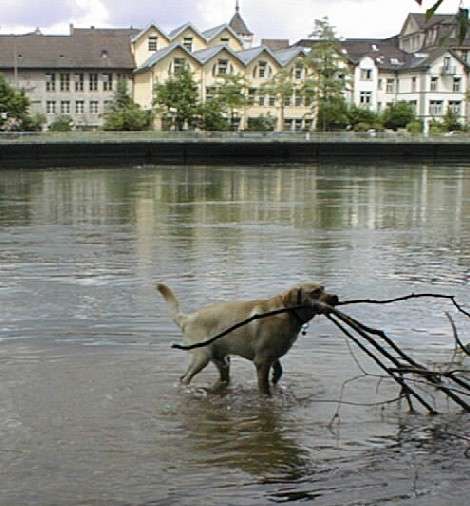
column 448, row 70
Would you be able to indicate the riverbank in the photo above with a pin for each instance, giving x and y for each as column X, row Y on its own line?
column 111, row 148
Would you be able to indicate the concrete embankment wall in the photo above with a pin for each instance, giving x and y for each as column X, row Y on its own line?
column 58, row 154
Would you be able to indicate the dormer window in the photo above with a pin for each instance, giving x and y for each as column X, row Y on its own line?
column 188, row 43
column 104, row 54
column 222, row 67
column 366, row 74
column 152, row 43
column 374, row 47
column 224, row 40
column 262, row 69
column 298, row 71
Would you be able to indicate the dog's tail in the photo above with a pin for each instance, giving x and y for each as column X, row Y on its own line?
column 168, row 294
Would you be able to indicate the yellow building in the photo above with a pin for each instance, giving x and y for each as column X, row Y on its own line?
column 215, row 53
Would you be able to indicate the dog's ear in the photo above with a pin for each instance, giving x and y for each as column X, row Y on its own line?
column 292, row 297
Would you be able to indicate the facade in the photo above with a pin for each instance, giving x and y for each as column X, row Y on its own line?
column 73, row 74
column 76, row 74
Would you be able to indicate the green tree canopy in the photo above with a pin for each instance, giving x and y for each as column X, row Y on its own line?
column 178, row 97
column 398, row 115
column 14, row 106
column 124, row 114
column 231, row 93
column 281, row 86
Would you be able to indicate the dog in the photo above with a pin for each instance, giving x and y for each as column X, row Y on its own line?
column 263, row 341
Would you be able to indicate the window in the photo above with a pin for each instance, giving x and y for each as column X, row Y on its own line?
column 298, row 100
column 65, row 107
column 79, row 107
column 93, row 82
column 210, row 92
column 434, row 82
column 366, row 74
column 262, row 66
column 455, row 106
column 94, row 106
column 50, row 107
column 152, row 43
column 413, row 84
column 188, row 43
column 390, row 86
column 107, row 105
column 178, row 65
column 222, row 67
column 456, row 84
column 251, row 96
column 379, row 84
column 288, row 124
column 108, row 82
column 261, row 100
column 224, row 40
column 64, row 82
column 298, row 71
column 446, row 62
column 365, row 98
column 298, row 124
column 287, row 101
column 272, row 100
column 79, row 82
column 50, row 82
column 435, row 107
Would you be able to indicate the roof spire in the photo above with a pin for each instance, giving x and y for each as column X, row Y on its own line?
column 237, row 6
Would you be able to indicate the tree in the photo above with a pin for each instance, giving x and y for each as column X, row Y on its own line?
column 212, row 116
column 263, row 123
column 326, row 82
column 280, row 86
column 125, row 114
column 179, row 98
column 231, row 93
column 63, row 123
column 14, row 106
column 398, row 115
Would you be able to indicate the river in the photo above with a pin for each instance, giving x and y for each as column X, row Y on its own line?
column 91, row 410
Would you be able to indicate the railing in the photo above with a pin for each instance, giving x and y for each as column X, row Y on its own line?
column 241, row 137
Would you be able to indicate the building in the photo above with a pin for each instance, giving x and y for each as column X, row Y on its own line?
column 76, row 74
column 73, row 74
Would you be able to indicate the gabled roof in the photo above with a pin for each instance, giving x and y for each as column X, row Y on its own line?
column 161, row 54
column 180, row 29
column 275, row 44
column 204, row 55
column 248, row 55
column 85, row 48
column 213, row 32
column 285, row 56
column 146, row 29
column 424, row 23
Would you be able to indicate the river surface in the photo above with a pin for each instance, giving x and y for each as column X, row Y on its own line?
column 91, row 410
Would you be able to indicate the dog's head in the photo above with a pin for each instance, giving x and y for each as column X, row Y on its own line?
column 307, row 294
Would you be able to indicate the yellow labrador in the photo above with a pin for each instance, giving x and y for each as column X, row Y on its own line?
column 263, row 340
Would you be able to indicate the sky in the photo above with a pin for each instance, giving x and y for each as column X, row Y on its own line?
column 292, row 19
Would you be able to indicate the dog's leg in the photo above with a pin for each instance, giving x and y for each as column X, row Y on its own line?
column 223, row 366
column 277, row 372
column 197, row 364
column 262, row 370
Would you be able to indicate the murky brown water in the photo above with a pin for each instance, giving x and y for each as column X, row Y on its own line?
column 91, row 412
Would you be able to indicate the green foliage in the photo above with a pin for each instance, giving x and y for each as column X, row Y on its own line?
column 263, row 123
column 414, row 127
column 436, row 127
column 14, row 106
column 213, row 117
column 178, row 98
column 398, row 115
column 34, row 122
column 362, row 115
column 282, row 87
column 327, row 78
column 61, row 123
column 450, row 121
column 231, row 94
column 333, row 114
column 124, row 114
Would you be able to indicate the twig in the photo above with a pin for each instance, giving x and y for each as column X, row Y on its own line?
column 456, row 336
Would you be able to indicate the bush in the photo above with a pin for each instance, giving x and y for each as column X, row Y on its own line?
column 33, row 123
column 436, row 127
column 362, row 127
column 62, row 123
column 414, row 127
column 360, row 115
column 398, row 115
column 212, row 117
column 261, row 123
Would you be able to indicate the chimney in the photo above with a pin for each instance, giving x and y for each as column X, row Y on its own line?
column 71, row 28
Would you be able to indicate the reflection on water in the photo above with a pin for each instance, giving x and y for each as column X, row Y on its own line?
column 90, row 407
